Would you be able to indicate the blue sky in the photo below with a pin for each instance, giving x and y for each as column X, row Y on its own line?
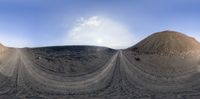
column 51, row 22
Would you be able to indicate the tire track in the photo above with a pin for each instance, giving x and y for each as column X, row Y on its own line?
column 118, row 79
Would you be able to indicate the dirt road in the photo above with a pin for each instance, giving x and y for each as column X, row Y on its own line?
column 118, row 78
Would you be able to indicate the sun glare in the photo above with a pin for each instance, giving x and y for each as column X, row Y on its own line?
column 99, row 31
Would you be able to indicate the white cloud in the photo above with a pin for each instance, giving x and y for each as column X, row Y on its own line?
column 99, row 31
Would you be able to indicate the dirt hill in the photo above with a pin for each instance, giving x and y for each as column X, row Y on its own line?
column 167, row 43
column 2, row 48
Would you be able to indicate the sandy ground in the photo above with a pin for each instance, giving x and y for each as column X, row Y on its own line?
column 76, row 73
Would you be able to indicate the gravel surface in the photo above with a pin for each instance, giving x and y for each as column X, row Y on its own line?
column 23, row 75
column 91, row 72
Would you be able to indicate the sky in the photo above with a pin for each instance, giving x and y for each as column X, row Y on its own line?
column 111, row 23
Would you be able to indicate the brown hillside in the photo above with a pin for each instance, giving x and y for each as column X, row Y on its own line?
column 2, row 48
column 167, row 43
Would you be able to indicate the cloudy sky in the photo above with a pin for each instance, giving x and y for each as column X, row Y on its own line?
column 111, row 23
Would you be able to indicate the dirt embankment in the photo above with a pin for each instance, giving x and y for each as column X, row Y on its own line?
column 167, row 43
column 2, row 48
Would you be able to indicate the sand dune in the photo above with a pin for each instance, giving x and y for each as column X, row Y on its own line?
column 165, row 65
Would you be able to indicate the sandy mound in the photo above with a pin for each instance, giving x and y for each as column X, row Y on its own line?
column 1, row 45
column 2, row 48
column 166, row 54
column 167, row 43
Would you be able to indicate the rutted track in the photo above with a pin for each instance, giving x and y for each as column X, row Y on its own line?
column 22, row 77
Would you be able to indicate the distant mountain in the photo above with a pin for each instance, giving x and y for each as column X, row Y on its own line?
column 167, row 43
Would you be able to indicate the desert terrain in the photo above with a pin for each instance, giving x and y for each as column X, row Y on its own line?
column 165, row 65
